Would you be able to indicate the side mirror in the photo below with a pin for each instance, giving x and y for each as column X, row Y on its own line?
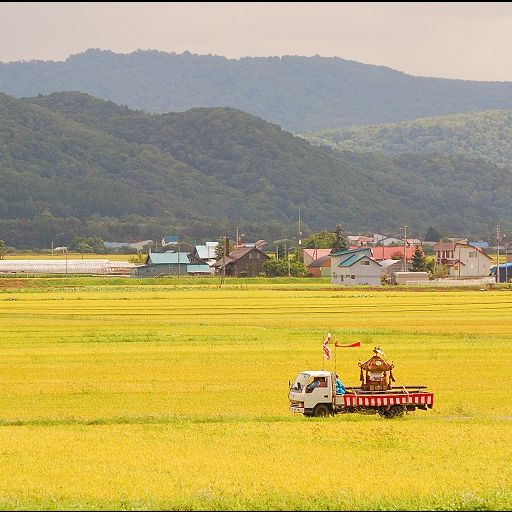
column 289, row 384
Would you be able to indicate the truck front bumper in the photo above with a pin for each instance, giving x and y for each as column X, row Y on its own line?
column 296, row 409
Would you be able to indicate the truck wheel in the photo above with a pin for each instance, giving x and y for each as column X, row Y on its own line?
column 321, row 410
column 395, row 411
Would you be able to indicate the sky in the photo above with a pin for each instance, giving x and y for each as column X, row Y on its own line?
column 449, row 40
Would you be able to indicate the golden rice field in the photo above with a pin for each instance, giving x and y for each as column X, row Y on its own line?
column 127, row 395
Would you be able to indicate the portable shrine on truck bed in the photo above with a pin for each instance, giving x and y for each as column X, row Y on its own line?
column 375, row 377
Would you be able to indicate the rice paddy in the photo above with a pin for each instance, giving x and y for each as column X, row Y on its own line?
column 127, row 394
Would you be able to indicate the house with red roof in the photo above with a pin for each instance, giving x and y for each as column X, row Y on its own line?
column 311, row 255
column 380, row 253
column 321, row 267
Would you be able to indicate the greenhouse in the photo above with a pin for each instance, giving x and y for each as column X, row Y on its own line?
column 62, row 266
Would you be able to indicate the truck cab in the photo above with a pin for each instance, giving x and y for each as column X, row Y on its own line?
column 312, row 393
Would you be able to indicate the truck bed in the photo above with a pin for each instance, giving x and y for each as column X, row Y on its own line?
column 401, row 396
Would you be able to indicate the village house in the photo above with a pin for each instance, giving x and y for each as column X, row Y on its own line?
column 321, row 267
column 360, row 240
column 390, row 267
column 171, row 263
column 139, row 246
column 168, row 240
column 380, row 253
column 206, row 253
column 242, row 262
column 385, row 240
column 463, row 259
column 355, row 267
column 310, row 255
column 504, row 272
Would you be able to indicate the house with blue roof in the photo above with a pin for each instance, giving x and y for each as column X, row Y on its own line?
column 355, row 267
column 206, row 252
column 481, row 245
column 505, row 272
column 170, row 240
column 171, row 263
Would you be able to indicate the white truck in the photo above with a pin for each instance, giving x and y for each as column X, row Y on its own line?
column 313, row 393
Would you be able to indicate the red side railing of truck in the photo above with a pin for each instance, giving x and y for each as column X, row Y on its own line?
column 353, row 400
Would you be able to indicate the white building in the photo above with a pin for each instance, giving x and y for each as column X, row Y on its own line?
column 463, row 259
column 355, row 267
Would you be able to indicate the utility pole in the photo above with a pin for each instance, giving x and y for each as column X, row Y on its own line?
column 179, row 267
column 405, row 249
column 459, row 265
column 288, row 261
column 223, row 277
column 300, row 232
column 506, row 262
column 498, row 236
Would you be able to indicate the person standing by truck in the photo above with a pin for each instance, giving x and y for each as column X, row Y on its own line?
column 340, row 388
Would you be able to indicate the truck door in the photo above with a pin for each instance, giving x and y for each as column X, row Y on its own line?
column 318, row 392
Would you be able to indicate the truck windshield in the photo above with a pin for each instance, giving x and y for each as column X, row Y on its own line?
column 300, row 382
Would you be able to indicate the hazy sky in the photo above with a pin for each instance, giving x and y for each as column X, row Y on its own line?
column 454, row 40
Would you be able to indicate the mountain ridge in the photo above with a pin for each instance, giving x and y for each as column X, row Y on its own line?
column 298, row 93
column 485, row 135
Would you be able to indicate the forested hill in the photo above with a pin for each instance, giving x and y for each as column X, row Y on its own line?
column 73, row 164
column 298, row 93
column 486, row 135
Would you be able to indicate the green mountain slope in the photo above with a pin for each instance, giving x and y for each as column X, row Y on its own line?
column 486, row 135
column 48, row 161
column 74, row 164
column 299, row 93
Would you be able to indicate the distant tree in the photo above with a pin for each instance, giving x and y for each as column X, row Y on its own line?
column 139, row 258
column 278, row 268
column 440, row 271
column 96, row 244
column 320, row 240
column 419, row 260
column 340, row 240
column 90, row 244
column 299, row 254
column 219, row 250
column 430, row 265
column 432, row 234
column 298, row 269
column 2, row 249
column 275, row 268
column 84, row 247
column 281, row 250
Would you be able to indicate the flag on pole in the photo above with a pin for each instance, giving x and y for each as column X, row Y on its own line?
column 356, row 344
column 326, row 349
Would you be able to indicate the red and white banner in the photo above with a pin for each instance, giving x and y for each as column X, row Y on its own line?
column 327, row 350
column 356, row 344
